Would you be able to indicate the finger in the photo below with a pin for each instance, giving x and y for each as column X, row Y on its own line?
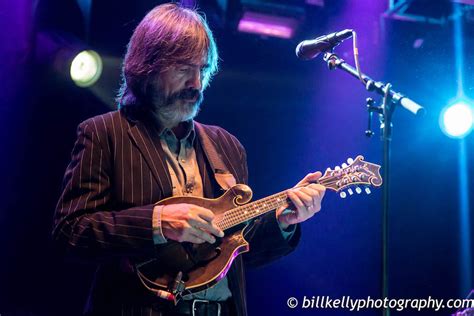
column 309, row 208
column 194, row 239
column 297, row 203
column 289, row 217
column 315, row 175
column 310, row 178
column 202, row 235
column 306, row 198
column 315, row 194
column 212, row 228
column 318, row 187
column 203, row 213
column 312, row 193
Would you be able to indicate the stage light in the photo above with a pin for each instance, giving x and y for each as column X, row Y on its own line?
column 268, row 25
column 318, row 3
column 457, row 119
column 69, row 57
column 86, row 68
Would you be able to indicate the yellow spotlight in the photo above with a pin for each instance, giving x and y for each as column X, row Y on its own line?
column 86, row 68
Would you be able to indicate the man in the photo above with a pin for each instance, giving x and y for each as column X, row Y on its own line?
column 125, row 161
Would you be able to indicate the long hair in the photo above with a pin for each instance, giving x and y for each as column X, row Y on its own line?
column 167, row 35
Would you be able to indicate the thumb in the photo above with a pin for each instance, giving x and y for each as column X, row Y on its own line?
column 310, row 178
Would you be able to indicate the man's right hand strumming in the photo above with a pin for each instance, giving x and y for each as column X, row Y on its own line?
column 188, row 222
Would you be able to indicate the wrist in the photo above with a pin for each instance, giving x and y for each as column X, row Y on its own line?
column 283, row 225
column 158, row 236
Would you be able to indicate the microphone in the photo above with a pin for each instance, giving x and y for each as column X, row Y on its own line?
column 310, row 49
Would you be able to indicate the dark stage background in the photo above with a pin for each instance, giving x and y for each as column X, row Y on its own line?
column 292, row 116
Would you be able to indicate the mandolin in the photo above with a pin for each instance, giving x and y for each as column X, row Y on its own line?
column 179, row 267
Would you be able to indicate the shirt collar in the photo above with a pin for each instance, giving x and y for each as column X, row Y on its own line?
column 190, row 134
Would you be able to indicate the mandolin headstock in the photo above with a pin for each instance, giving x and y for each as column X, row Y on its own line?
column 352, row 177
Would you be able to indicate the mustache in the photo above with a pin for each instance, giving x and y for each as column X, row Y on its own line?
column 186, row 94
column 189, row 94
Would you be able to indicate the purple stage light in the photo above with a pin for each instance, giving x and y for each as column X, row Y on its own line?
column 418, row 43
column 319, row 3
column 188, row 3
column 269, row 25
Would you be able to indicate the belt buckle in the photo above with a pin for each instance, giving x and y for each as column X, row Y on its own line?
column 193, row 307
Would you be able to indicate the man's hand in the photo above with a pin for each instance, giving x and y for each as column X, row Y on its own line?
column 306, row 200
column 187, row 222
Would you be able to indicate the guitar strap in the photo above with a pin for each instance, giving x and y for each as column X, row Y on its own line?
column 223, row 177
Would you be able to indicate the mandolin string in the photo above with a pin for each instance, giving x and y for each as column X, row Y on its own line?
column 262, row 206
column 241, row 214
column 235, row 216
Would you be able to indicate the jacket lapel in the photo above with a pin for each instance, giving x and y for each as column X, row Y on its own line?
column 223, row 177
column 146, row 138
column 210, row 188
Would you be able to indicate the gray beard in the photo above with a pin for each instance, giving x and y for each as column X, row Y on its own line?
column 169, row 114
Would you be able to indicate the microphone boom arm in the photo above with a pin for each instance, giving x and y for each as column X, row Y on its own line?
column 397, row 98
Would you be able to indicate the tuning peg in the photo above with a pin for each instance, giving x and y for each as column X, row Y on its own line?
column 343, row 194
column 344, row 165
column 350, row 160
column 358, row 190
column 367, row 190
column 350, row 191
column 337, row 168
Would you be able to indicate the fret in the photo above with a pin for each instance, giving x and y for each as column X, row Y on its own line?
column 359, row 172
column 241, row 214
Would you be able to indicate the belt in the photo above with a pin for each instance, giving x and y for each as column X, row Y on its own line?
column 197, row 307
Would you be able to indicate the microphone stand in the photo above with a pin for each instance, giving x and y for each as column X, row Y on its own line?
column 391, row 100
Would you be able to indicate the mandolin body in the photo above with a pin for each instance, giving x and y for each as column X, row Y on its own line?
column 202, row 265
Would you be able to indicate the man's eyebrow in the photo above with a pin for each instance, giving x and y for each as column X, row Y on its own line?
column 193, row 65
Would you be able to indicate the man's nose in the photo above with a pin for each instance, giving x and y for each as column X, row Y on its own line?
column 195, row 80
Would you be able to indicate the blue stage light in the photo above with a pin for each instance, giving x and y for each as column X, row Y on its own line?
column 457, row 119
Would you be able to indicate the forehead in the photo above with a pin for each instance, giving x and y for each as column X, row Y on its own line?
column 199, row 61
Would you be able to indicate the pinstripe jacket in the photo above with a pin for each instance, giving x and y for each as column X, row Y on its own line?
column 104, row 214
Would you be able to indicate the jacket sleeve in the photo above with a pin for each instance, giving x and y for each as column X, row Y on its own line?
column 85, row 222
column 264, row 234
column 266, row 240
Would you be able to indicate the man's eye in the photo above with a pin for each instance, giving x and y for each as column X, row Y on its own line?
column 183, row 69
